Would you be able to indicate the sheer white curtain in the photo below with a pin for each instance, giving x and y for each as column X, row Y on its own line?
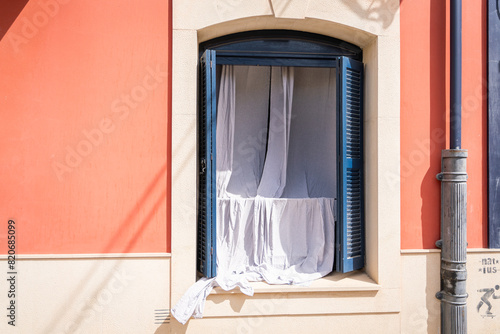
column 273, row 178
column 276, row 179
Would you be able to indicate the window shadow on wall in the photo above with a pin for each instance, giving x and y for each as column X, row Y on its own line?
column 9, row 12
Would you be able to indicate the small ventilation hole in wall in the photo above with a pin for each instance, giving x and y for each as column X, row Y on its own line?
column 162, row 316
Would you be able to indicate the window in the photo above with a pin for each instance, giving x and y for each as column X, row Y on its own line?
column 306, row 53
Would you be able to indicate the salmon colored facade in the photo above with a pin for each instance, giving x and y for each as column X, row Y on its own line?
column 60, row 125
column 425, row 118
column 85, row 123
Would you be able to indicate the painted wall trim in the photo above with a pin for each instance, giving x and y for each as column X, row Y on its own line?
column 469, row 250
column 89, row 256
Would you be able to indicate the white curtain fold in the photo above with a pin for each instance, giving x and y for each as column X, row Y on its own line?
column 276, row 180
column 249, row 127
column 273, row 178
column 225, row 129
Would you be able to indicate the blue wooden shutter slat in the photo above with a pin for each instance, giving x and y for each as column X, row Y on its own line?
column 350, row 244
column 206, row 234
column 213, row 165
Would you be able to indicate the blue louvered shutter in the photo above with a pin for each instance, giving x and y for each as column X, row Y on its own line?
column 207, row 197
column 350, row 244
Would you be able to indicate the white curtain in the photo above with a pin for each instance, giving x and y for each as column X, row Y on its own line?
column 273, row 178
column 276, row 179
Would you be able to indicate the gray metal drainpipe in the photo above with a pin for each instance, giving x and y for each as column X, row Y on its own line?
column 453, row 177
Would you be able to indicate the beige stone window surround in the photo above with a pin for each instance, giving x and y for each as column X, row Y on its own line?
column 379, row 282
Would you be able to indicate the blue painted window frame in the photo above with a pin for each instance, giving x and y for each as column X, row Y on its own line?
column 285, row 48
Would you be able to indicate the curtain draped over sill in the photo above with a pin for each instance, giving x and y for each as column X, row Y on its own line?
column 276, row 180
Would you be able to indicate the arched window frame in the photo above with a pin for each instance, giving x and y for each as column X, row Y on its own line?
column 287, row 48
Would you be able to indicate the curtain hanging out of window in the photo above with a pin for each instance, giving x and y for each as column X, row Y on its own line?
column 276, row 179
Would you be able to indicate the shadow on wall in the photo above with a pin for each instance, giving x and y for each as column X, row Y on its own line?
column 174, row 327
column 9, row 12
column 430, row 187
column 382, row 11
